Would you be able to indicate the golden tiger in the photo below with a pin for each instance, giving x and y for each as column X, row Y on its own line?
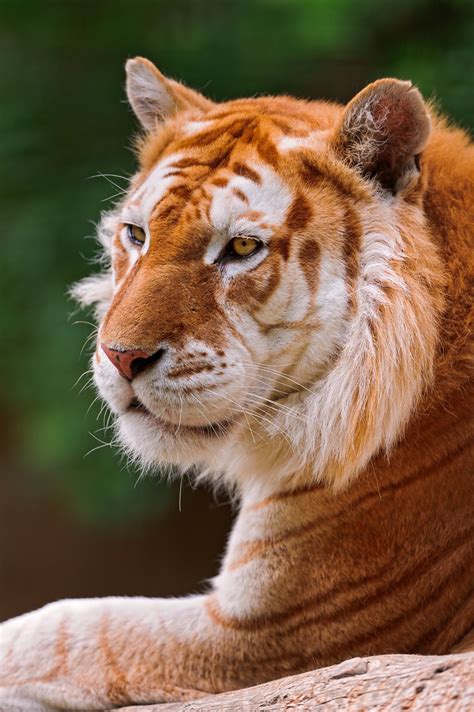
column 287, row 309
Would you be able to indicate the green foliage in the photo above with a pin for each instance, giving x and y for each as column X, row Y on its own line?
column 63, row 120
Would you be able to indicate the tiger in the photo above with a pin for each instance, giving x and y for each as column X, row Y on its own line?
column 285, row 310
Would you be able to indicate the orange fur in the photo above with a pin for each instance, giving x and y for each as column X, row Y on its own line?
column 346, row 425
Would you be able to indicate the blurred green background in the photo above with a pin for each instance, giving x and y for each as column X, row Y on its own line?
column 63, row 120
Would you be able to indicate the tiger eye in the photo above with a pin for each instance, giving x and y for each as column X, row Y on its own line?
column 244, row 246
column 136, row 235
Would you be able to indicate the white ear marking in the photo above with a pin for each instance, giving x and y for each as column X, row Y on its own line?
column 147, row 93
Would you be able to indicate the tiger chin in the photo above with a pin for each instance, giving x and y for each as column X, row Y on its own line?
column 286, row 310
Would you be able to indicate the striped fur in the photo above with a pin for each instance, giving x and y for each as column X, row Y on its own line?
column 325, row 379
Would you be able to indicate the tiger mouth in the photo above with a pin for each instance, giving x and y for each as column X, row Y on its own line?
column 212, row 430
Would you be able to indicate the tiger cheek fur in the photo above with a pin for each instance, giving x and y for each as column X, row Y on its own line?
column 287, row 308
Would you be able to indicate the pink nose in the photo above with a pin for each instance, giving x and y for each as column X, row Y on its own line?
column 128, row 363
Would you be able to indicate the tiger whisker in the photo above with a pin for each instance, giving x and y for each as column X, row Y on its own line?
column 87, row 323
column 180, row 414
column 89, row 408
column 269, row 381
column 278, row 373
column 259, row 416
column 103, row 409
column 89, row 338
column 97, row 447
column 200, row 403
column 108, row 177
column 105, row 427
column 86, row 385
column 112, row 197
column 278, row 407
column 79, row 379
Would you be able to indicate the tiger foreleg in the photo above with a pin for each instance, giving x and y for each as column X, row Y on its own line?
column 98, row 653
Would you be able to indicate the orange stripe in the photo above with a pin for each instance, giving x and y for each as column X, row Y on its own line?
column 281, row 496
column 411, row 575
column 116, row 679
column 255, row 549
column 448, row 629
column 60, row 665
column 341, row 650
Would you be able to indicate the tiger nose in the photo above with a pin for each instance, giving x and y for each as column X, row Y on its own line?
column 130, row 363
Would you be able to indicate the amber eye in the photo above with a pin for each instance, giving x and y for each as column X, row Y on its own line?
column 136, row 235
column 244, row 246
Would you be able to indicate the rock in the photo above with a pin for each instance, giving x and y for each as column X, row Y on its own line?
column 383, row 682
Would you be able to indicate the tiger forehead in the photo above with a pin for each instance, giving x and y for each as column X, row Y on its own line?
column 223, row 139
column 237, row 164
column 246, row 120
column 209, row 157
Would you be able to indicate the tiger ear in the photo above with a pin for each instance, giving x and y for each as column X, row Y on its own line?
column 383, row 131
column 155, row 98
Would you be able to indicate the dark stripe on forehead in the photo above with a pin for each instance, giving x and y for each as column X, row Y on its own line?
column 313, row 175
column 189, row 186
column 171, row 205
column 186, row 163
column 249, row 129
column 240, row 195
column 181, row 191
column 232, row 130
column 220, row 182
column 267, row 150
column 284, row 125
column 242, row 169
column 212, row 134
column 219, row 157
column 269, row 107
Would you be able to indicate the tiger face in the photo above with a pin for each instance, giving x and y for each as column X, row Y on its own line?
column 254, row 262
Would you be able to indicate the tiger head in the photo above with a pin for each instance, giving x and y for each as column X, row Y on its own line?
column 268, row 311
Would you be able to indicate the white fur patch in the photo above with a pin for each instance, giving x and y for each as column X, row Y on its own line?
column 194, row 127
column 139, row 207
column 229, row 214
column 153, row 189
column 315, row 140
column 97, row 291
column 271, row 197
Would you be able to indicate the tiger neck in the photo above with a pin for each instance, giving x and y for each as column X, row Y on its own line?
column 385, row 565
